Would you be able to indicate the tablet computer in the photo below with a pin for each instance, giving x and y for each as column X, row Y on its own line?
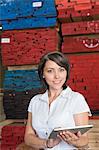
column 74, row 130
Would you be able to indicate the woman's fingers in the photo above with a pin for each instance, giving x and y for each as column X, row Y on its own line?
column 68, row 136
column 79, row 134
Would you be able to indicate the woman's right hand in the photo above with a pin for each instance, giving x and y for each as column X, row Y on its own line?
column 53, row 142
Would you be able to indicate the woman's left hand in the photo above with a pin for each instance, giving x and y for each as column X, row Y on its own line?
column 69, row 137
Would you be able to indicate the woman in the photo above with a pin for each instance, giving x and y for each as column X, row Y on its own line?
column 59, row 106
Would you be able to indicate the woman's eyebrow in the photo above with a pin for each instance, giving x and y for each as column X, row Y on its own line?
column 53, row 67
column 49, row 68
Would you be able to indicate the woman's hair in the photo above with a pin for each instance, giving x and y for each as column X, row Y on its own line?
column 59, row 59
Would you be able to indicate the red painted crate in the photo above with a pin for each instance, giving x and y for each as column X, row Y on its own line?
column 79, row 12
column 85, row 13
column 64, row 4
column 97, row 2
column 64, row 15
column 82, row 6
column 84, row 77
column 82, row 1
column 76, row 44
column 20, row 47
column 16, row 132
column 76, row 28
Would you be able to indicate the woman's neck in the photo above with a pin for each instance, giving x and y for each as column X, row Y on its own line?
column 53, row 94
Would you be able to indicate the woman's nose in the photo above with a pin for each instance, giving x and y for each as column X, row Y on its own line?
column 56, row 75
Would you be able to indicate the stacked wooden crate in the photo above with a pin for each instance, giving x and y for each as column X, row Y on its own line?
column 29, row 31
column 22, row 47
column 80, row 42
column 12, row 135
column 76, row 10
column 79, row 27
column 27, row 14
column 20, row 86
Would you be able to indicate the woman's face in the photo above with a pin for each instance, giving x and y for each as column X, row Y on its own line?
column 54, row 75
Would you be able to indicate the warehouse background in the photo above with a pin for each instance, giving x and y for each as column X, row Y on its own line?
column 30, row 29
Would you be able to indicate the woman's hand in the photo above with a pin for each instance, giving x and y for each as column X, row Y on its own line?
column 53, row 142
column 69, row 137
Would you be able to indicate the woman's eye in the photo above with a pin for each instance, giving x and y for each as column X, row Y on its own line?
column 62, row 69
column 49, row 71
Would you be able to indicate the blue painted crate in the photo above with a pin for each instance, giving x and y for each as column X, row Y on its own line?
column 25, row 23
column 12, row 9
column 22, row 80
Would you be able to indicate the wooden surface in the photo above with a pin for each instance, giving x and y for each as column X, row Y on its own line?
column 93, row 135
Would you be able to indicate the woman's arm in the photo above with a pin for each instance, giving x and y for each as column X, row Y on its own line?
column 31, row 138
column 78, row 140
column 81, row 119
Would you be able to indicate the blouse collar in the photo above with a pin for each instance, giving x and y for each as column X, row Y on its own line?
column 65, row 94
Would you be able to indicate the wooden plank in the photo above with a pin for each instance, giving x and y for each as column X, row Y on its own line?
column 22, row 67
column 94, row 135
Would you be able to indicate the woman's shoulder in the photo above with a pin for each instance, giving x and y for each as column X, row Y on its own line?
column 77, row 94
column 34, row 100
column 74, row 94
column 78, row 102
column 38, row 96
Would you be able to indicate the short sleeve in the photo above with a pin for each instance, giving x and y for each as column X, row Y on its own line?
column 80, row 105
column 30, row 107
column 33, row 102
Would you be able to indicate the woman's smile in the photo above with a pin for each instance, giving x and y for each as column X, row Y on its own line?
column 57, row 81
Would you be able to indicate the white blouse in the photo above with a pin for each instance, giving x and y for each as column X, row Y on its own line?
column 60, row 113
